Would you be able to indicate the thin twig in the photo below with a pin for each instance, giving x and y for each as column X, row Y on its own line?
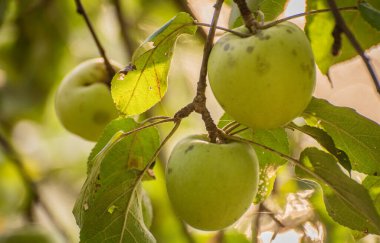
column 354, row 42
column 109, row 68
column 32, row 187
column 232, row 123
column 271, row 214
column 184, row 5
column 154, row 118
column 312, row 12
column 230, row 129
column 129, row 44
column 239, row 131
column 243, row 35
column 255, row 226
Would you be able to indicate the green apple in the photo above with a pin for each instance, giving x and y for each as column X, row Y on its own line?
column 83, row 101
column 265, row 80
column 28, row 234
column 211, row 185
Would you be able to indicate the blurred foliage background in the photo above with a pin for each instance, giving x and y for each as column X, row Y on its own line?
column 42, row 40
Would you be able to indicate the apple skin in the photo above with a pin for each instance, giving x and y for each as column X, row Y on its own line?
column 83, row 100
column 211, row 185
column 266, row 80
column 28, row 234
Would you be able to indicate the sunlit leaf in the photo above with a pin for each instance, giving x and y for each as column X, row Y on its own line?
column 327, row 142
column 370, row 14
column 145, row 82
column 268, row 162
column 320, row 26
column 109, row 207
column 347, row 202
column 356, row 135
column 372, row 183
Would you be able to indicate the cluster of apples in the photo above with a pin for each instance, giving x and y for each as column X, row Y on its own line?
column 263, row 81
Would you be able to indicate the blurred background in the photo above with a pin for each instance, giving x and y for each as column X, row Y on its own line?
column 42, row 40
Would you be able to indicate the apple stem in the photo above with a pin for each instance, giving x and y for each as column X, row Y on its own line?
column 248, row 18
column 109, row 68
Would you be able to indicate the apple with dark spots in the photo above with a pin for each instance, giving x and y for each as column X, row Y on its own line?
column 83, row 101
column 211, row 185
column 265, row 80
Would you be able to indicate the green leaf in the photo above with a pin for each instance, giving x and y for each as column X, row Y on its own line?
column 334, row 232
column 234, row 236
column 372, row 183
column 109, row 207
column 268, row 162
column 347, row 202
column 145, row 83
column 327, row 142
column 370, row 14
column 271, row 9
column 320, row 26
column 356, row 135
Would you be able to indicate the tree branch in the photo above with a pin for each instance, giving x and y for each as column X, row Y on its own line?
column 129, row 45
column 199, row 103
column 109, row 68
column 248, row 18
column 354, row 42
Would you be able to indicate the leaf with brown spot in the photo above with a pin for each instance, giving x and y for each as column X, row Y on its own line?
column 109, row 208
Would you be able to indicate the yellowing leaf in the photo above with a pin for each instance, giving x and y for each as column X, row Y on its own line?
column 145, row 83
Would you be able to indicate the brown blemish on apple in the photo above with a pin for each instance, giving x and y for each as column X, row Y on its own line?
column 226, row 47
column 250, row 49
column 189, row 148
column 262, row 65
column 169, row 171
column 294, row 52
column 305, row 67
column 290, row 31
column 101, row 117
column 263, row 37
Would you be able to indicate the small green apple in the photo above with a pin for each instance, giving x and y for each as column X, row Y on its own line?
column 83, row 101
column 28, row 234
column 211, row 185
column 265, row 80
